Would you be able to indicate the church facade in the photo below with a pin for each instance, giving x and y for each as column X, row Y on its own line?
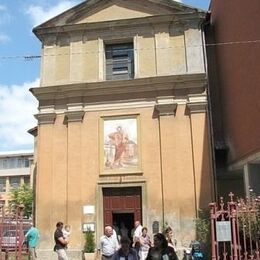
column 123, row 128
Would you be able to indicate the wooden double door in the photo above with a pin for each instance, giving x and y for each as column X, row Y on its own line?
column 122, row 206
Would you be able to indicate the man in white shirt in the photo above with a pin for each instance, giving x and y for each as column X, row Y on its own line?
column 108, row 244
column 137, row 235
column 138, row 230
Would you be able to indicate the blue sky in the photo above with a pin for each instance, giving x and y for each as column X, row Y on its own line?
column 17, row 75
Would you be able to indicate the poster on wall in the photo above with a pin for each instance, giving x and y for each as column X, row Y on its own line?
column 120, row 144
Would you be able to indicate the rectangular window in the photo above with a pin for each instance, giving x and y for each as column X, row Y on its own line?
column 5, row 164
column 119, row 61
column 19, row 163
column 2, row 184
column 14, row 182
column 26, row 180
column 26, row 162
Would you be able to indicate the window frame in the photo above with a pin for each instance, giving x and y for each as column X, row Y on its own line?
column 123, row 62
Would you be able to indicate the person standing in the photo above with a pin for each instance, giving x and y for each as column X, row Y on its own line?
column 108, row 244
column 32, row 237
column 60, row 242
column 169, row 237
column 145, row 244
column 125, row 252
column 136, row 236
column 161, row 250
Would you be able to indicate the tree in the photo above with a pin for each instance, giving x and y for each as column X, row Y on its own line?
column 22, row 195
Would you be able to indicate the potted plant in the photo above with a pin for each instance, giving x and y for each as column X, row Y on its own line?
column 89, row 247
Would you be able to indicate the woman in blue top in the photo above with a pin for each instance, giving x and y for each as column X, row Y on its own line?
column 32, row 237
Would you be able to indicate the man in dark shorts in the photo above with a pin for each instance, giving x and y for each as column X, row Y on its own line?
column 60, row 242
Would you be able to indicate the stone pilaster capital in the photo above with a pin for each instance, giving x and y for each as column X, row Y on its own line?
column 197, row 104
column 45, row 118
column 74, row 116
column 165, row 106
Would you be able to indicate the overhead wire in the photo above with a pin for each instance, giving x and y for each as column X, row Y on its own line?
column 31, row 57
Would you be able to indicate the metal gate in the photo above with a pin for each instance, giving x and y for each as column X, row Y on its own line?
column 235, row 229
column 12, row 230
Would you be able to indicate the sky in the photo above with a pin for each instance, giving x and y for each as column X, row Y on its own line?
column 18, row 74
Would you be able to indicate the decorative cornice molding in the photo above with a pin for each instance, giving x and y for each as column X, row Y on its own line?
column 185, row 82
column 74, row 116
column 45, row 118
column 42, row 31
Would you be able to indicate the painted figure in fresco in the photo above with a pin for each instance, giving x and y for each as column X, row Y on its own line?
column 119, row 140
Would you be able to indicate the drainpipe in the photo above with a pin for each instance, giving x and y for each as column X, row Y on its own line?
column 161, row 169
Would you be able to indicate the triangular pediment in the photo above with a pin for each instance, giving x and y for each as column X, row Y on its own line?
column 121, row 9
column 92, row 11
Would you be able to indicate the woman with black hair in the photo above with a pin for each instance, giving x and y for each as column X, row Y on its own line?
column 125, row 252
column 161, row 250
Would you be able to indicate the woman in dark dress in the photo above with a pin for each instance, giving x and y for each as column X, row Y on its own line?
column 161, row 250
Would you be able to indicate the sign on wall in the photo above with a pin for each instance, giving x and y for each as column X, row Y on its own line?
column 223, row 230
column 88, row 227
column 88, row 209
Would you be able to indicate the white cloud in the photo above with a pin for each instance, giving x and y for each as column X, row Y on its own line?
column 2, row 8
column 17, row 106
column 4, row 38
column 39, row 14
column 180, row 1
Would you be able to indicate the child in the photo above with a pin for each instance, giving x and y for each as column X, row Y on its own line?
column 66, row 232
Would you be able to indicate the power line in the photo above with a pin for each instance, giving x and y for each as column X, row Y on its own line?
column 33, row 57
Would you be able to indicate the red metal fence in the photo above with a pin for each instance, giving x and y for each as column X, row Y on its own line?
column 235, row 229
column 12, row 230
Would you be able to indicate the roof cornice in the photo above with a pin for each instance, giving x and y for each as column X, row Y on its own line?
column 124, row 23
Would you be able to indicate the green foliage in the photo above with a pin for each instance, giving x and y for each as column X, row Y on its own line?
column 249, row 216
column 202, row 224
column 23, row 195
column 89, row 246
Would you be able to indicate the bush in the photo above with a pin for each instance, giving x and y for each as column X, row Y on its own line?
column 22, row 195
column 89, row 246
column 202, row 223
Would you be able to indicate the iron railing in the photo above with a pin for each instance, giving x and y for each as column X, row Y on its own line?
column 12, row 230
column 235, row 229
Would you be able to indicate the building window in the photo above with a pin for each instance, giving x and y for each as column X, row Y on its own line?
column 26, row 162
column 5, row 164
column 2, row 184
column 26, row 180
column 119, row 61
column 14, row 182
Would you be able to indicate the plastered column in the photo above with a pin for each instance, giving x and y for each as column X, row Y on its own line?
column 74, row 207
column 44, row 198
column 203, row 176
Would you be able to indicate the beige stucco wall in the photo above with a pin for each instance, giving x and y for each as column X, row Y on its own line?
column 159, row 50
column 171, row 152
